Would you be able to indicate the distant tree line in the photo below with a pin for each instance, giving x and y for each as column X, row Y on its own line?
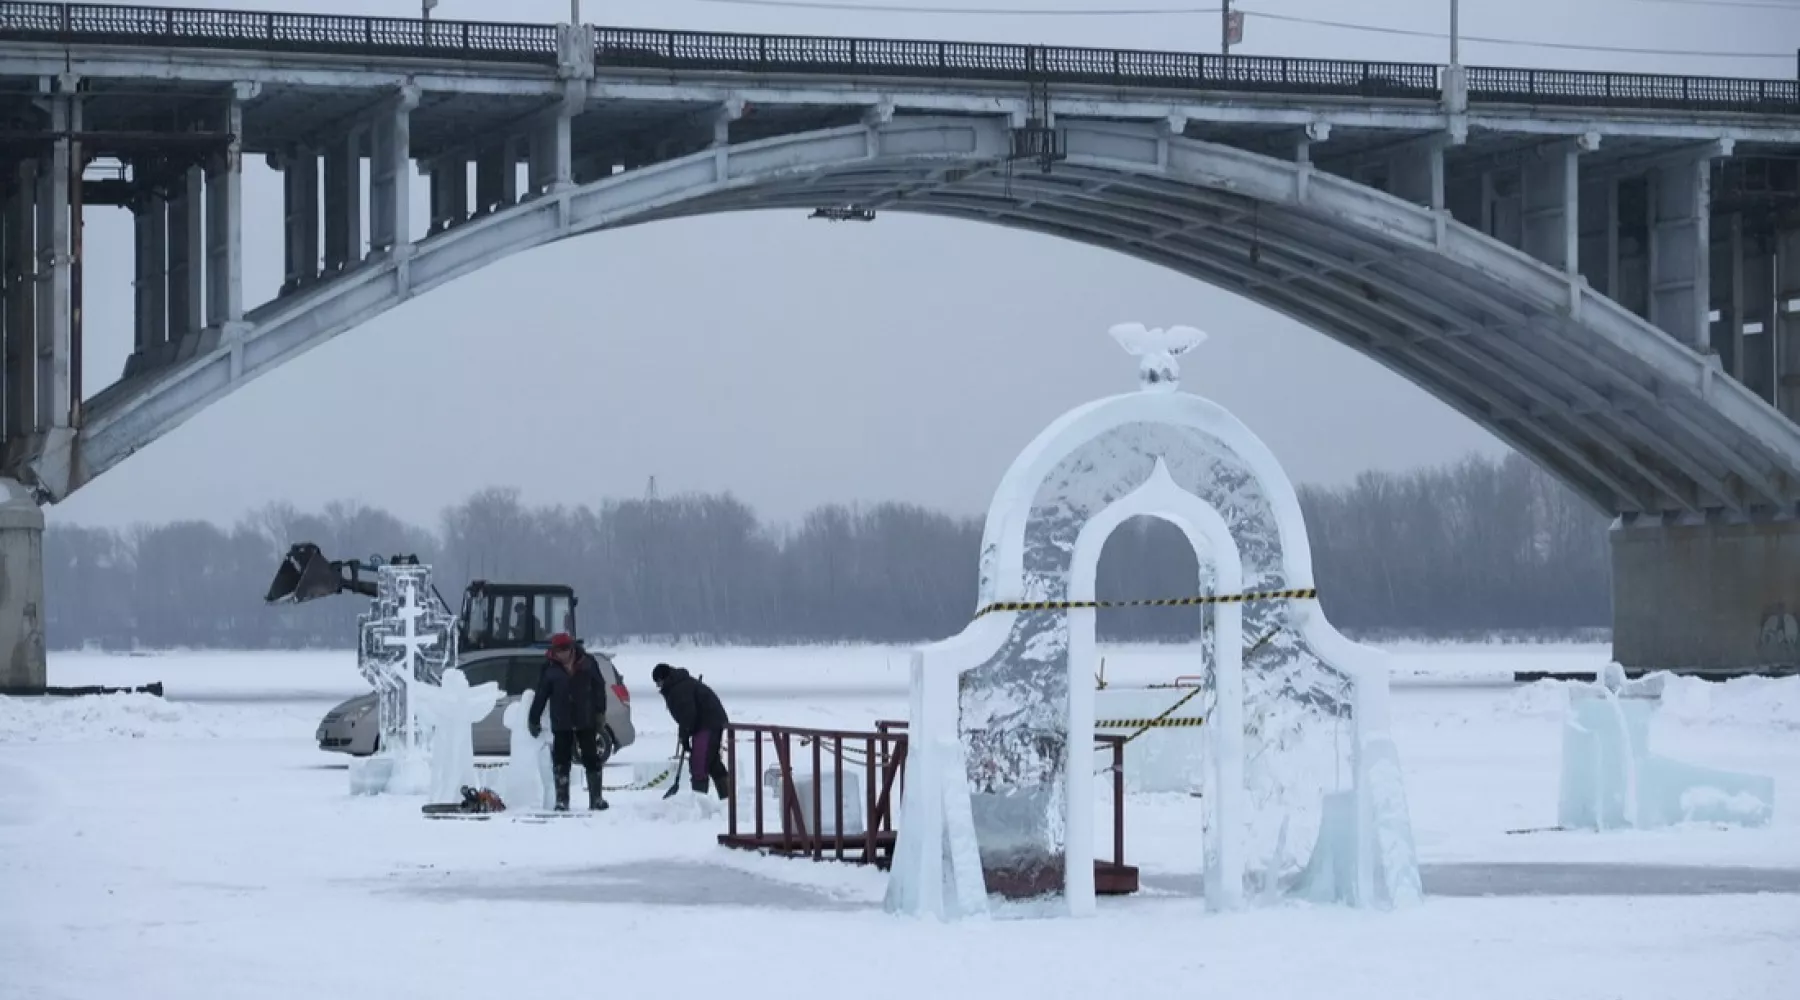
column 1478, row 547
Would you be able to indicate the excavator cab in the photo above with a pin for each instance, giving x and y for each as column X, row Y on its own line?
column 507, row 615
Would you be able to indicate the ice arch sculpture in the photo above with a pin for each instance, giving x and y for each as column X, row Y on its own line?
column 1000, row 792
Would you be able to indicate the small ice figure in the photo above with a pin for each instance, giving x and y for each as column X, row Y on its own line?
column 1157, row 350
column 450, row 711
column 529, row 780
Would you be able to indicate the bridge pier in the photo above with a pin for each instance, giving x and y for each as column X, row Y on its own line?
column 22, row 659
column 1717, row 596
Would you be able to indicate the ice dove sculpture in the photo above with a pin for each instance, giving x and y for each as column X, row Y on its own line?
column 1157, row 348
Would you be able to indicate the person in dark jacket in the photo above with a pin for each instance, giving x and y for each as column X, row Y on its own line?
column 701, row 720
column 575, row 690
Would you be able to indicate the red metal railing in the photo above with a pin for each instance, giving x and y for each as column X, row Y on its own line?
column 803, row 758
column 873, row 760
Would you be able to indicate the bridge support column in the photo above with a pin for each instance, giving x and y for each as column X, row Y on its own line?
column 1729, row 283
column 1598, row 235
column 22, row 661
column 390, row 176
column 187, row 243
column 55, row 268
column 449, row 193
column 496, row 178
column 6, row 266
column 343, row 202
column 1719, row 596
column 1680, row 226
column 1785, row 331
column 1757, row 311
column 20, row 327
column 150, row 221
column 225, row 234
column 1417, row 174
column 551, row 155
column 1550, row 208
column 300, row 202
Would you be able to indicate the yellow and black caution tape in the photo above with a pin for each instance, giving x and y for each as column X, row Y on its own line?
column 1154, row 602
column 639, row 787
column 1143, row 724
column 645, row 785
column 1164, row 720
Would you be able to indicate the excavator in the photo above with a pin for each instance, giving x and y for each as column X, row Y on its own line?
column 496, row 618
column 494, row 615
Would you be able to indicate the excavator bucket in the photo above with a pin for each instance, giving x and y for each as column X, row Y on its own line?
column 304, row 575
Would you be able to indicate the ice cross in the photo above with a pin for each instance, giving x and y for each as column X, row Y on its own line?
column 1157, row 350
column 409, row 612
column 412, row 642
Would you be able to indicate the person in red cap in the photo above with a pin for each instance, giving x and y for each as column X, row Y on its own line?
column 575, row 689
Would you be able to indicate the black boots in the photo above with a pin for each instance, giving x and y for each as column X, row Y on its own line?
column 596, row 794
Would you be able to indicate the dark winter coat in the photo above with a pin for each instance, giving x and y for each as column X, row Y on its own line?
column 693, row 705
column 577, row 698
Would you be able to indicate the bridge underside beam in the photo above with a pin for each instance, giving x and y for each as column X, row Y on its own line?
column 1519, row 373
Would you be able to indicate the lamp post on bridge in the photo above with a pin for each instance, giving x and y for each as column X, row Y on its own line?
column 1455, row 32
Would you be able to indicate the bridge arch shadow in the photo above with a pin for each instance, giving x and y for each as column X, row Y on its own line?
column 1619, row 410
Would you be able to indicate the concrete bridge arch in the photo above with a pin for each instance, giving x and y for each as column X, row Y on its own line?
column 1629, row 417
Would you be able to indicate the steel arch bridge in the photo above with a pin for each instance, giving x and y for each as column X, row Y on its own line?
column 1635, row 421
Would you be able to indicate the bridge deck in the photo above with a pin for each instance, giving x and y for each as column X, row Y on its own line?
column 144, row 69
column 493, row 45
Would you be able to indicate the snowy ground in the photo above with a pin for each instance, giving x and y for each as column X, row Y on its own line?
column 201, row 847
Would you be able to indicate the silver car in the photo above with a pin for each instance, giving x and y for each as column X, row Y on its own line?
column 354, row 726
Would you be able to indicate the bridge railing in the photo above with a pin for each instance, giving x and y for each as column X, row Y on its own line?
column 124, row 24
column 1578, row 88
column 642, row 48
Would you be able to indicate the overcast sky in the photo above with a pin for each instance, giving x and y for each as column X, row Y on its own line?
column 795, row 362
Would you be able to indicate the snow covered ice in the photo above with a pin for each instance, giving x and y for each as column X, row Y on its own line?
column 207, row 850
